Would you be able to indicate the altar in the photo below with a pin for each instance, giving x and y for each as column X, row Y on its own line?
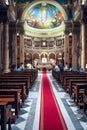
column 46, row 66
column 44, row 63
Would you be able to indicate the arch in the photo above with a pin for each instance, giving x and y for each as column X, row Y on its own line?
column 52, row 56
column 35, row 56
column 28, row 57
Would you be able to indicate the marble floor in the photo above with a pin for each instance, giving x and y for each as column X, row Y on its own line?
column 29, row 114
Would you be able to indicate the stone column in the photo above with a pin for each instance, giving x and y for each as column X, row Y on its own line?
column 84, row 45
column 21, row 48
column 13, row 42
column 20, row 30
column 6, row 47
column 14, row 49
column 0, row 43
column 74, row 50
column 84, row 36
column 66, row 48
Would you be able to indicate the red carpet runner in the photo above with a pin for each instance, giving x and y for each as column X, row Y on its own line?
column 50, row 115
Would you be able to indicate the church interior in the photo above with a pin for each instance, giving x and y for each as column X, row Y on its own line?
column 35, row 37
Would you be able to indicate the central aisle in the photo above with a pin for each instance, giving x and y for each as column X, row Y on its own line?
column 50, row 114
column 29, row 116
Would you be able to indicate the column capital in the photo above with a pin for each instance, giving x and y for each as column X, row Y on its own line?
column 20, row 27
column 3, row 13
column 76, row 26
column 72, row 26
column 68, row 27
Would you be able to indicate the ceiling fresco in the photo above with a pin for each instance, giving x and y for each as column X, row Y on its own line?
column 44, row 16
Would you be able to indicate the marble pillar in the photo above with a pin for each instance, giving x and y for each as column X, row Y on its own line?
column 14, row 49
column 84, row 45
column 6, row 47
column 21, row 48
column 66, row 48
column 74, row 50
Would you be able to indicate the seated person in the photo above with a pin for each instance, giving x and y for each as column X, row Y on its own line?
column 66, row 67
column 71, row 69
column 81, row 70
column 56, row 68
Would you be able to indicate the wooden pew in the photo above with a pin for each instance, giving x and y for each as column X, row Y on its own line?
column 65, row 78
column 5, row 115
column 68, row 78
column 13, row 85
column 56, row 75
column 31, row 75
column 12, row 97
column 79, row 89
column 85, row 101
column 16, row 80
column 67, row 73
column 73, row 81
column 16, row 76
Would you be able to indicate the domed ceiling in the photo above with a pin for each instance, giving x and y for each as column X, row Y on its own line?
column 44, row 18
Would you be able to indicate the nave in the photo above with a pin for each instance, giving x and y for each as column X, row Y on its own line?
column 29, row 115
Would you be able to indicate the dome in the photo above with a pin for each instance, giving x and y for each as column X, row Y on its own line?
column 44, row 17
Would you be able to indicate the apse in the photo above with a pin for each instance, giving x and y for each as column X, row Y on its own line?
column 44, row 16
column 44, row 19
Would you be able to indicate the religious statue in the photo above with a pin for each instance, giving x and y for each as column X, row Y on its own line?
column 44, row 59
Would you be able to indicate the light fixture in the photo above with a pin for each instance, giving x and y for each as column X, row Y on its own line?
column 6, row 1
column 70, row 34
column 83, row 2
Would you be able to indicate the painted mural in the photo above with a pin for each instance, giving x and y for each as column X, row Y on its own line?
column 44, row 16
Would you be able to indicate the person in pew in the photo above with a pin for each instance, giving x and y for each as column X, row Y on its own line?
column 1, row 68
column 56, row 68
column 61, row 67
column 66, row 67
column 30, row 66
column 81, row 70
column 20, row 67
column 71, row 68
column 13, row 68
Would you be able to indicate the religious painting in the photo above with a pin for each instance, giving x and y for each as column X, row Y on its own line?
column 44, row 16
column 37, row 43
column 51, row 44
column 44, row 58
column 59, row 42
